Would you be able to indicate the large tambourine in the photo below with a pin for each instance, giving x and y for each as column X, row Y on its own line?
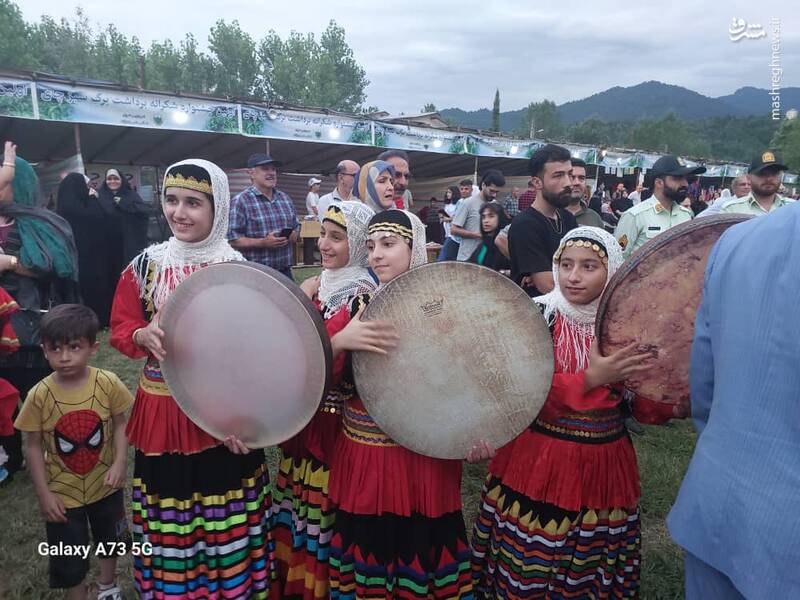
column 247, row 353
column 653, row 299
column 474, row 361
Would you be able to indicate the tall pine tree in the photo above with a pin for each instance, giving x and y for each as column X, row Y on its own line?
column 496, row 111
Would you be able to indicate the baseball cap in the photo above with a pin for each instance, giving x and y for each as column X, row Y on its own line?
column 314, row 181
column 262, row 159
column 675, row 166
column 768, row 158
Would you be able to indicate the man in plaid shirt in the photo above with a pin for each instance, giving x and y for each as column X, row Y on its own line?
column 261, row 216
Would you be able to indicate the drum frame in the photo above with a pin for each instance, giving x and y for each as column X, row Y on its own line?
column 432, row 309
column 166, row 319
column 647, row 250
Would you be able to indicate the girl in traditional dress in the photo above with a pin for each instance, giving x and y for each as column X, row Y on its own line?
column 399, row 531
column 203, row 509
column 303, row 512
column 559, row 515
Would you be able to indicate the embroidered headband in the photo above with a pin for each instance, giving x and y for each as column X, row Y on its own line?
column 189, row 177
column 392, row 222
column 583, row 243
column 335, row 215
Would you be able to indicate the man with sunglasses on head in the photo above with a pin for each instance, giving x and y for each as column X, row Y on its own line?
column 346, row 172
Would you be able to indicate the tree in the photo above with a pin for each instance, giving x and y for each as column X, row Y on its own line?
column 347, row 78
column 115, row 57
column 541, row 120
column 787, row 142
column 428, row 108
column 197, row 69
column 286, row 67
column 736, row 138
column 591, row 131
column 15, row 39
column 163, row 67
column 234, row 59
column 496, row 111
column 669, row 135
column 299, row 70
column 64, row 47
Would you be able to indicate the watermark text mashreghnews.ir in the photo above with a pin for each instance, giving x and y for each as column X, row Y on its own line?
column 775, row 69
column 740, row 30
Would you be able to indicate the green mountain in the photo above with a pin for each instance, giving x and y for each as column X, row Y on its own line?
column 647, row 100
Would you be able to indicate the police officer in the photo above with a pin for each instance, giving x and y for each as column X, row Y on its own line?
column 663, row 210
column 765, row 176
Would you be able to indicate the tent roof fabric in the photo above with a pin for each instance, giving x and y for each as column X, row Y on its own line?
column 53, row 140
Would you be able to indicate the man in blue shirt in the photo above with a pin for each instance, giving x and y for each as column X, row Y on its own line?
column 263, row 223
column 735, row 515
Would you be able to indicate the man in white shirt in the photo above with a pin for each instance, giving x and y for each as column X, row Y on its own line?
column 346, row 172
column 312, row 198
column 636, row 195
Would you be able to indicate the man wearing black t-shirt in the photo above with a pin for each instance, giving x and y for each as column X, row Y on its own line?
column 536, row 232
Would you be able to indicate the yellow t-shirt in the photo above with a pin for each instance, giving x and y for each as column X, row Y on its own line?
column 76, row 432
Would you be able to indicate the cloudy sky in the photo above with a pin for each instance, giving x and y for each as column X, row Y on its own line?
column 455, row 53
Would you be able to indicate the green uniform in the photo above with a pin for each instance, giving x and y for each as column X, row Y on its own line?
column 749, row 206
column 645, row 221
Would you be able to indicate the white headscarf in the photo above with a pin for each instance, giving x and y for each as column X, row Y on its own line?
column 176, row 260
column 419, row 251
column 338, row 286
column 581, row 316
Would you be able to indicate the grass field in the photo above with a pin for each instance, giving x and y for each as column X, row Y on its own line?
column 663, row 453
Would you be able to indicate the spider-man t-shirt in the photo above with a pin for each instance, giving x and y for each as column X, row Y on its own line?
column 76, row 432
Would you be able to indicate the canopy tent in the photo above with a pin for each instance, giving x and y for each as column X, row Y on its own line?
column 53, row 118
column 53, row 141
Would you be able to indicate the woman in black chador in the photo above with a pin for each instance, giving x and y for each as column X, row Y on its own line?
column 109, row 229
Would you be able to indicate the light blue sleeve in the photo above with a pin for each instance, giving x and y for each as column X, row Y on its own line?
column 701, row 364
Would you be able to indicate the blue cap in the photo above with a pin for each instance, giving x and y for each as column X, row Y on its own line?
column 262, row 159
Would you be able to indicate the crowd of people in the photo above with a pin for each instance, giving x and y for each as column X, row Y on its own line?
column 352, row 514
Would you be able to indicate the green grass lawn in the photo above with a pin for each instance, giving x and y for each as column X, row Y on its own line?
column 663, row 452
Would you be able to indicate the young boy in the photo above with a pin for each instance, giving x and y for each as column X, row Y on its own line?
column 77, row 452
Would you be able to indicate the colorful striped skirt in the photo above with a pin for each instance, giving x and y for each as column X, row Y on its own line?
column 206, row 521
column 388, row 556
column 303, row 522
column 527, row 549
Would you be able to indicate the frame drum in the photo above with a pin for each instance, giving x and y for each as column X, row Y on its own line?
column 474, row 361
column 653, row 299
column 247, row 353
